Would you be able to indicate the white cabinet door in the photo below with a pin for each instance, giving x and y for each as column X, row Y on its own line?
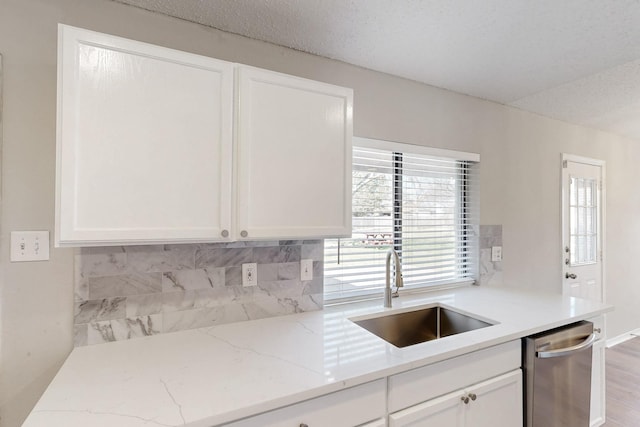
column 493, row 403
column 294, row 156
column 144, row 142
column 498, row 402
column 445, row 411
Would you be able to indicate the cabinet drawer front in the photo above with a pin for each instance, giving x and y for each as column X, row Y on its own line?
column 346, row 408
column 415, row 386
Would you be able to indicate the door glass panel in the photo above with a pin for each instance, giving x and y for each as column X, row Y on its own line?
column 583, row 221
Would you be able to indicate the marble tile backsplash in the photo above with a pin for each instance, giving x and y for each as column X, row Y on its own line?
column 490, row 271
column 126, row 292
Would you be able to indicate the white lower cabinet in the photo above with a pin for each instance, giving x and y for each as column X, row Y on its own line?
column 356, row 406
column 598, row 373
column 597, row 384
column 479, row 389
column 493, row 403
column 467, row 390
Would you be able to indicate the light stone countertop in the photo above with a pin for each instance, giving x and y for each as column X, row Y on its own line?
column 205, row 377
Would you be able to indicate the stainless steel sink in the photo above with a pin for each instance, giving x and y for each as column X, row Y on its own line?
column 414, row 327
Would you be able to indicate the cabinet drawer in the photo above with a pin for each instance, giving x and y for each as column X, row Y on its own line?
column 346, row 408
column 418, row 385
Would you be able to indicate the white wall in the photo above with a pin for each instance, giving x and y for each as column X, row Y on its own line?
column 520, row 171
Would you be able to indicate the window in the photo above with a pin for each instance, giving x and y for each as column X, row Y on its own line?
column 423, row 203
column 583, row 217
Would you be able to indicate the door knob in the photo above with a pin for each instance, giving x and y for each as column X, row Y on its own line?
column 570, row 276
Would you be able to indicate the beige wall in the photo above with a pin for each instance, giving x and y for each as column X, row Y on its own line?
column 520, row 171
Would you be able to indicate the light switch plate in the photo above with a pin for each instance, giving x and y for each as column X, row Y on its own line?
column 306, row 269
column 29, row 246
column 496, row 253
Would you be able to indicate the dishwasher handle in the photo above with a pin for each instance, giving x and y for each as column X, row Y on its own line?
column 561, row 352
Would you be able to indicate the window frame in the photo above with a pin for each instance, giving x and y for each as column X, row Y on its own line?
column 398, row 150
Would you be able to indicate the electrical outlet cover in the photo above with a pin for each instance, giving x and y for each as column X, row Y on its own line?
column 496, row 253
column 250, row 274
column 306, row 269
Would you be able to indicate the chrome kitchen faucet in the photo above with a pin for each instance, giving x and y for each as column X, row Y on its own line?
column 398, row 277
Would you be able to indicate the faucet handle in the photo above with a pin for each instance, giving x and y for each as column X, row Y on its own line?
column 399, row 280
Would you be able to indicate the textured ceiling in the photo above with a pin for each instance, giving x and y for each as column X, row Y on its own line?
column 574, row 60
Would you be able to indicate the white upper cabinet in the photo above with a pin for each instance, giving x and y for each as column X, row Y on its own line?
column 144, row 142
column 146, row 154
column 294, row 156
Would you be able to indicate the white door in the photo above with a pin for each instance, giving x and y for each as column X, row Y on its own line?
column 496, row 402
column 582, row 194
column 445, row 411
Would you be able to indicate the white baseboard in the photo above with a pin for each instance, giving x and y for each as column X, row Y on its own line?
column 622, row 338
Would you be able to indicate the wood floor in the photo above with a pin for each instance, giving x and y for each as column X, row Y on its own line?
column 623, row 384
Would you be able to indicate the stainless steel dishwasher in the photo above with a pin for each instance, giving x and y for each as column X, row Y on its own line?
column 557, row 366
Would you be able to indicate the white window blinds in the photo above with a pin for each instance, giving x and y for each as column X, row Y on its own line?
column 424, row 206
